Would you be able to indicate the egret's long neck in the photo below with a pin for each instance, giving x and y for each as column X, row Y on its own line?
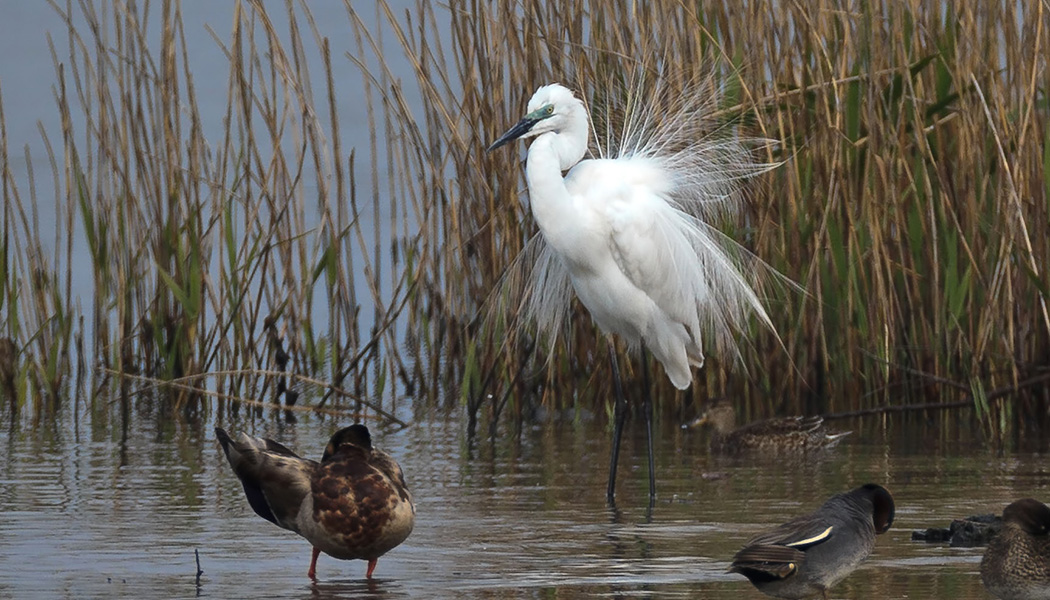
column 549, row 155
column 549, row 198
column 570, row 143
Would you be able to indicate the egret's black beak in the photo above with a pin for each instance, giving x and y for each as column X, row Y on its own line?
column 514, row 133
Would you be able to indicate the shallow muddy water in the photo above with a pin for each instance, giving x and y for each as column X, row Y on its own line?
column 90, row 513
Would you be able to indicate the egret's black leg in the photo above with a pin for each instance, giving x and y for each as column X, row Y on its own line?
column 620, row 417
column 648, row 409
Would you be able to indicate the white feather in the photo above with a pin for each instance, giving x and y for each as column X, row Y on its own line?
column 631, row 231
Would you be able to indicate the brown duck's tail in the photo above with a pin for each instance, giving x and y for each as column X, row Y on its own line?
column 224, row 440
column 252, row 490
column 253, row 460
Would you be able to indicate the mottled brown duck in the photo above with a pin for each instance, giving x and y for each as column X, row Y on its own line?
column 808, row 555
column 354, row 504
column 1016, row 564
column 798, row 434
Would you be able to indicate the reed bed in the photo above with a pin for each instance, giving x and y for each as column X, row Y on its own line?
column 912, row 206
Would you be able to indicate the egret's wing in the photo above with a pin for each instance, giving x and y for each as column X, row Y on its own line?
column 693, row 272
column 690, row 169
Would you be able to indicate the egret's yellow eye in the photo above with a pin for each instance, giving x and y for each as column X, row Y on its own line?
column 550, row 109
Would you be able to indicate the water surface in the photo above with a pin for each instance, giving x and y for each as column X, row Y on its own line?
column 111, row 511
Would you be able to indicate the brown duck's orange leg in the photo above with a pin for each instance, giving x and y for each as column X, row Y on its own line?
column 371, row 567
column 312, row 573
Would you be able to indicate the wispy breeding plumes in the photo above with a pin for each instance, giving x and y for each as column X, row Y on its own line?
column 698, row 167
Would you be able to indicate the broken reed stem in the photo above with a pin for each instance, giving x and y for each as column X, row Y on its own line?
column 179, row 385
column 997, row 395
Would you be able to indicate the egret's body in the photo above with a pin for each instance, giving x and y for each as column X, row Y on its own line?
column 603, row 228
column 647, row 270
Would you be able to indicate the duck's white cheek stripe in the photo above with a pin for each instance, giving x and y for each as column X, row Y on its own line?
column 813, row 539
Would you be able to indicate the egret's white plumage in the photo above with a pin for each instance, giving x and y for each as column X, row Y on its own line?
column 627, row 231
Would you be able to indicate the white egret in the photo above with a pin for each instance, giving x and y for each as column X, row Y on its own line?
column 628, row 233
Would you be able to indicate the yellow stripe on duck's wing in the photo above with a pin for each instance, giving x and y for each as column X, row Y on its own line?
column 800, row 533
column 820, row 537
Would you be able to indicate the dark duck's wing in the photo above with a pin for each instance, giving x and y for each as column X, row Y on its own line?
column 276, row 481
column 778, row 554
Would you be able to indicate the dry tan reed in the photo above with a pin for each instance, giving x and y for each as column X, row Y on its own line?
column 912, row 208
column 912, row 205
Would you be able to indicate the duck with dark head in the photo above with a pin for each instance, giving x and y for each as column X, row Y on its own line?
column 808, row 555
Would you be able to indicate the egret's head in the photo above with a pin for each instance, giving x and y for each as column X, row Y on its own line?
column 551, row 108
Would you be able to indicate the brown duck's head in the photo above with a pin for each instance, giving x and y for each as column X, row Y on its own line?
column 721, row 416
column 882, row 507
column 355, row 435
column 1029, row 515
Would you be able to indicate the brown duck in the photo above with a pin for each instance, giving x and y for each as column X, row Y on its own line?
column 1016, row 564
column 779, row 434
column 354, row 504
